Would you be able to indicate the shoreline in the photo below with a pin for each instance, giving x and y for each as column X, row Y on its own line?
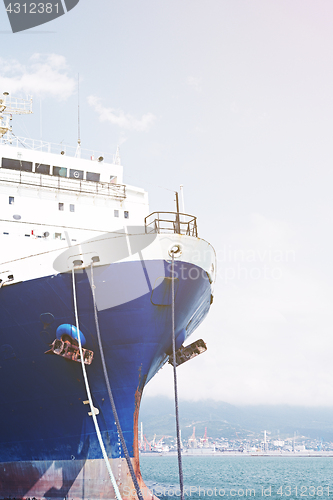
column 291, row 454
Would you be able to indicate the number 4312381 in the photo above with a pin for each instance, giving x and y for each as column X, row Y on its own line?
column 32, row 8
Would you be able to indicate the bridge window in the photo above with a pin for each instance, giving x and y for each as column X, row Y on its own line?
column 92, row 176
column 61, row 206
column 116, row 213
column 41, row 168
column 11, row 200
column 60, row 171
column 113, row 179
column 76, row 174
column 25, row 166
column 72, row 208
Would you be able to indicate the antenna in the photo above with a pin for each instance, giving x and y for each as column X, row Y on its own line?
column 177, row 217
column 78, row 149
column 41, row 119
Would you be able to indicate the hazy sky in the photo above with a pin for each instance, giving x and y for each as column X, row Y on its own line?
column 234, row 100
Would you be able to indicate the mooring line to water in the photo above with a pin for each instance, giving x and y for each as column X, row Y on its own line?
column 180, row 467
column 114, row 410
column 92, row 408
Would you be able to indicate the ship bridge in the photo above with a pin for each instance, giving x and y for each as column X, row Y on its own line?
column 47, row 165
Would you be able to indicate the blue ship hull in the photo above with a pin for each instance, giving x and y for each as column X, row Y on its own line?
column 44, row 425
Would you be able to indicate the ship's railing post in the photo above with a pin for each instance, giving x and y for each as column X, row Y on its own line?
column 166, row 222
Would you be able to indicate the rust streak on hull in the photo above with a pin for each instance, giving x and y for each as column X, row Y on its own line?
column 136, row 459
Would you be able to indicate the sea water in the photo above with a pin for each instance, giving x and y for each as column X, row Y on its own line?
column 251, row 478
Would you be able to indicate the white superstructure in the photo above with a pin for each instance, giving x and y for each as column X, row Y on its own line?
column 52, row 201
column 49, row 189
column 50, row 193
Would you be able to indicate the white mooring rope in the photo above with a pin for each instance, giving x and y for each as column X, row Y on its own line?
column 98, row 432
column 181, row 484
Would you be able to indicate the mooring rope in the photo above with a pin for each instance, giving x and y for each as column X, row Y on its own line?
column 175, row 378
column 98, row 432
column 114, row 410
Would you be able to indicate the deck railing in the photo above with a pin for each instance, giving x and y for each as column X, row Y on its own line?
column 49, row 147
column 117, row 191
column 171, row 222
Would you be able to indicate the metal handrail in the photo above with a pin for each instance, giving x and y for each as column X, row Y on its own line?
column 63, row 183
column 49, row 147
column 171, row 222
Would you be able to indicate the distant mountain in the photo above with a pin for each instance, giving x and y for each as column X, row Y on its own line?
column 232, row 422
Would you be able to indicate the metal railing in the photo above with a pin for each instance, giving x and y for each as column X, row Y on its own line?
column 171, row 222
column 117, row 191
column 15, row 105
column 49, row 147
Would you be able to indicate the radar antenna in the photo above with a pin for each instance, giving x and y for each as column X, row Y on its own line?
column 12, row 106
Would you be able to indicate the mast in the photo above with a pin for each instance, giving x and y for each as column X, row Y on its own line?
column 177, row 214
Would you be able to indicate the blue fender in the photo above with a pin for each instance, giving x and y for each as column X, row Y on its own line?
column 71, row 331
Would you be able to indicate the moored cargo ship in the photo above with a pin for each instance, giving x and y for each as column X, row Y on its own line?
column 70, row 215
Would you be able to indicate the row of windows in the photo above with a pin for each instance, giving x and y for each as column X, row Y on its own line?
column 61, row 207
column 126, row 214
column 41, row 168
column 56, row 236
